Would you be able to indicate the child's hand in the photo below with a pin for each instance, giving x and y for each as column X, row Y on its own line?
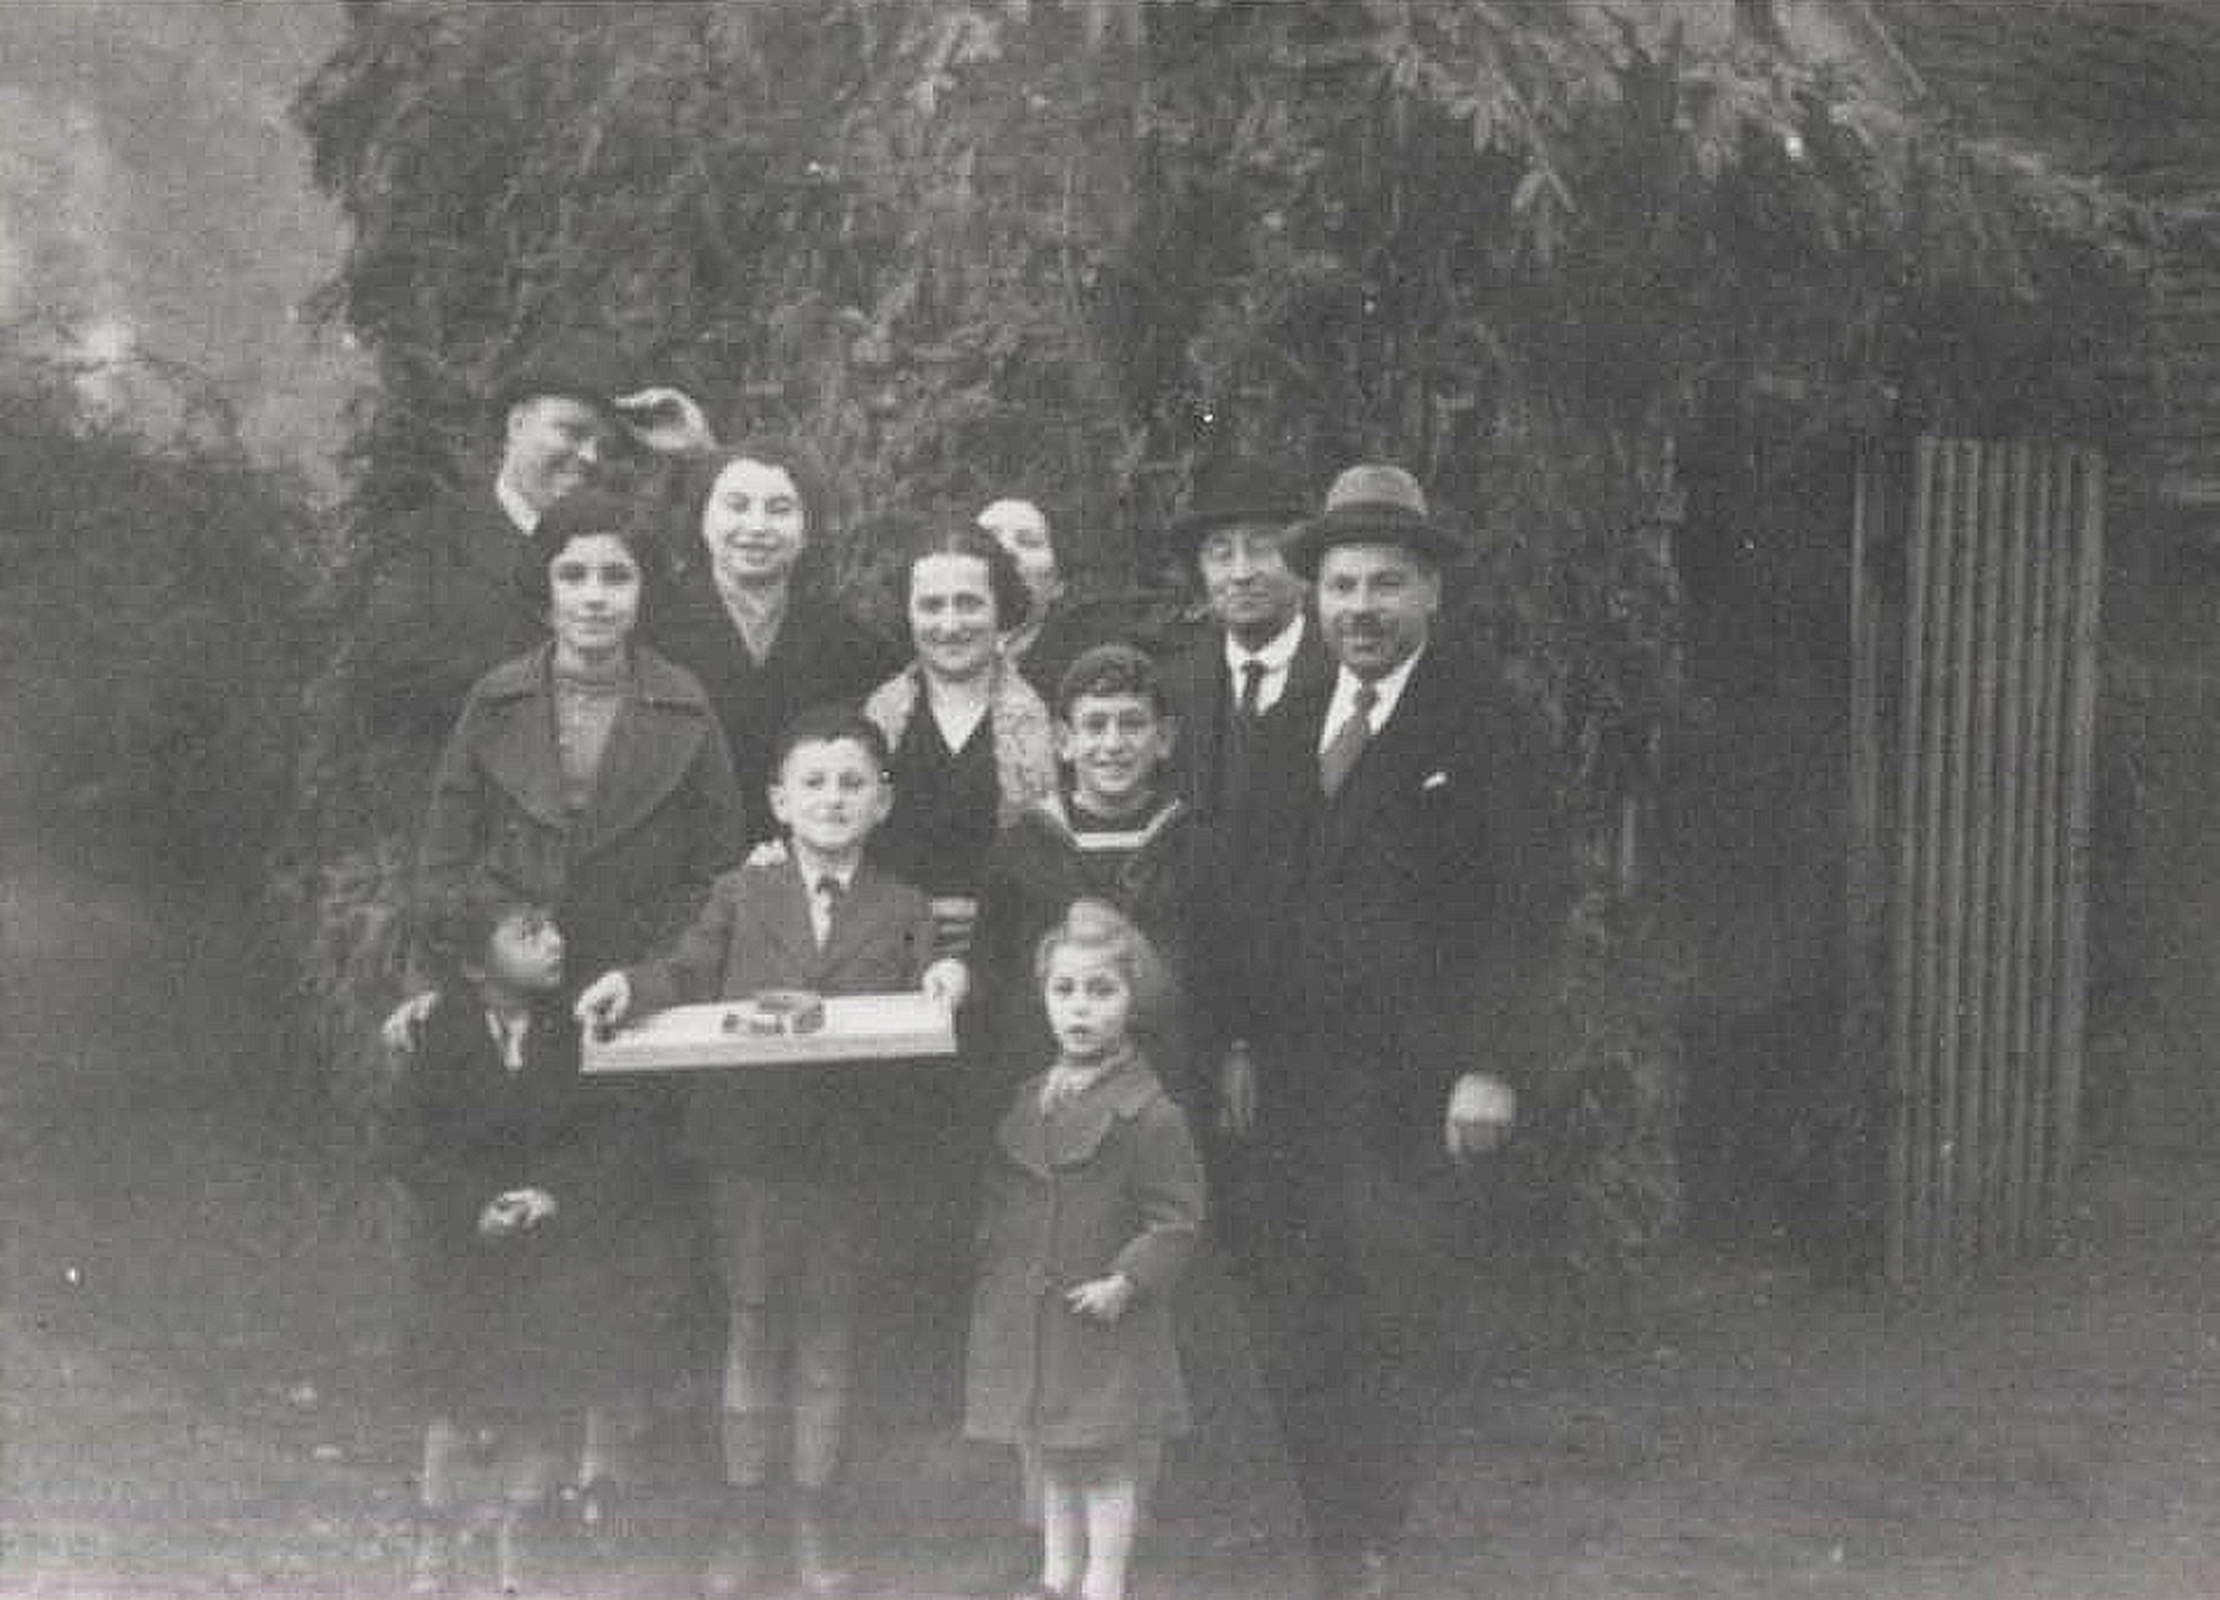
column 403, row 1029
column 502, row 1216
column 948, row 981
column 513, row 1211
column 535, row 1203
column 1104, row 1299
column 770, row 853
column 605, row 1002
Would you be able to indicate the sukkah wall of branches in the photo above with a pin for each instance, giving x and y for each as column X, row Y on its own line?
column 1075, row 249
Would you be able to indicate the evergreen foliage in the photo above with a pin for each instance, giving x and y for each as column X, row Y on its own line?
column 1526, row 247
column 156, row 609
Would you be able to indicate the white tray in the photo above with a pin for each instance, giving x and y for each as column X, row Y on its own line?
column 858, row 1027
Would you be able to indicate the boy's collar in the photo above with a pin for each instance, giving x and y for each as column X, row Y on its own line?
column 814, row 864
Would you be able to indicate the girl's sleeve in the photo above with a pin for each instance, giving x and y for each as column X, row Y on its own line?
column 1168, row 1190
column 450, row 845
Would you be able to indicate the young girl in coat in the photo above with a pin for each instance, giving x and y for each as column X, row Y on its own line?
column 1092, row 1206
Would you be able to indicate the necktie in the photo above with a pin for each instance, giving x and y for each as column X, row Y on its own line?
column 1252, row 689
column 508, row 1033
column 829, row 892
column 1348, row 742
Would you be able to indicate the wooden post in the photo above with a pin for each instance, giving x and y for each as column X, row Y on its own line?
column 2088, row 525
column 2019, row 858
column 1912, row 907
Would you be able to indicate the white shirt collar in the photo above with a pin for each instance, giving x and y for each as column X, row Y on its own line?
column 518, row 508
column 1388, row 686
column 1277, row 653
column 813, row 868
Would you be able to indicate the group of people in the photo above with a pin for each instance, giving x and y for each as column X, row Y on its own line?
column 1280, row 911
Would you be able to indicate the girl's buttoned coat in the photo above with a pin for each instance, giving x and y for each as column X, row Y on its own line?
column 1109, row 1182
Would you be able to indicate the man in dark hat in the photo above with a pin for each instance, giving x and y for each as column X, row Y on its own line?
column 1262, row 659
column 446, row 607
column 1412, row 967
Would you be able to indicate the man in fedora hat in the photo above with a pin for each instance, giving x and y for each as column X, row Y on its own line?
column 1261, row 659
column 1412, row 968
column 446, row 607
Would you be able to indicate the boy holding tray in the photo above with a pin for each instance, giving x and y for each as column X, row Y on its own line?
column 791, row 1151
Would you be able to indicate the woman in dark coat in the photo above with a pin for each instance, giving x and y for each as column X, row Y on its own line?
column 742, row 614
column 590, row 776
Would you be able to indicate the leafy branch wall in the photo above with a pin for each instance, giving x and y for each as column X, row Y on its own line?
column 1075, row 248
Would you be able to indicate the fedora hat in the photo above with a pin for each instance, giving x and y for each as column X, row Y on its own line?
column 1235, row 489
column 571, row 362
column 1371, row 503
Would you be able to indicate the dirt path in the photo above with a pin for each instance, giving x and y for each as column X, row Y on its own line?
column 190, row 1338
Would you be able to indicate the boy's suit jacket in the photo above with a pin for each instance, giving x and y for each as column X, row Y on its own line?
column 755, row 934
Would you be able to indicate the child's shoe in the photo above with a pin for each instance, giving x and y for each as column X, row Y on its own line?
column 740, row 1564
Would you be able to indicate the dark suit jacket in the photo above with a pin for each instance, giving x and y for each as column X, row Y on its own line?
column 755, row 934
column 1423, row 913
column 629, row 872
column 443, row 613
column 1213, row 759
column 821, row 657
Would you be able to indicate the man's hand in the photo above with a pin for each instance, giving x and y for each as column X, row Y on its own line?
column 605, row 1002
column 1481, row 1112
column 666, row 420
column 1104, row 1299
column 403, row 1029
column 1237, row 1092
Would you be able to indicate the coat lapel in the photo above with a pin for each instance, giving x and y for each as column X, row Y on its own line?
column 1389, row 762
column 1041, row 1144
column 786, row 917
column 857, row 919
column 651, row 749
column 520, row 750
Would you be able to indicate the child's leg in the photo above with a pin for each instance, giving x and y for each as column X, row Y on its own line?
column 1111, row 1496
column 439, row 1496
column 437, row 1488
column 754, row 1397
column 827, row 1223
column 530, row 1463
column 1063, row 1523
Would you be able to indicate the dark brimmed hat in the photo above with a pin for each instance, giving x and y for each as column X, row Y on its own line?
column 1239, row 489
column 574, row 363
column 1372, row 503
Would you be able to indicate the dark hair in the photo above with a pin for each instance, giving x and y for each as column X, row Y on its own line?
column 830, row 725
column 1097, row 925
column 458, row 924
column 792, row 457
column 1003, row 582
column 1112, row 669
column 585, row 513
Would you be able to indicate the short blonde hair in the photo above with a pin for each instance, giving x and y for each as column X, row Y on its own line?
column 1097, row 926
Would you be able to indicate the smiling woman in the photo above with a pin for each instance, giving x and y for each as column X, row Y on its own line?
column 745, row 615
column 971, row 739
